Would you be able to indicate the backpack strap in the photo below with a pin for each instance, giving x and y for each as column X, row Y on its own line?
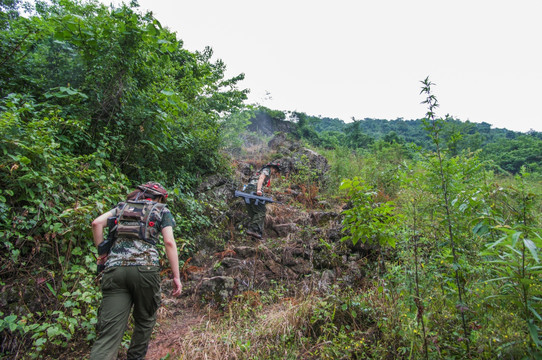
column 159, row 207
column 122, row 206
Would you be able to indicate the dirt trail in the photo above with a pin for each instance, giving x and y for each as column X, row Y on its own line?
column 172, row 326
column 278, row 257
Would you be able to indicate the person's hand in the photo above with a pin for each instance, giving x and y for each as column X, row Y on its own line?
column 178, row 287
column 259, row 193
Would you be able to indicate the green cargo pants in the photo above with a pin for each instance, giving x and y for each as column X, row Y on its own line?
column 256, row 213
column 124, row 287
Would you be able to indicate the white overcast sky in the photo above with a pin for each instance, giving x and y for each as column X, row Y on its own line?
column 365, row 59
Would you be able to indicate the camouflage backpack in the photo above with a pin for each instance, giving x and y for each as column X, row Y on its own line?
column 137, row 220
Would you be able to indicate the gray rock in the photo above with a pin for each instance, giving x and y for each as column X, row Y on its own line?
column 283, row 230
column 305, row 162
column 326, row 280
column 245, row 252
column 267, row 125
column 218, row 288
column 281, row 144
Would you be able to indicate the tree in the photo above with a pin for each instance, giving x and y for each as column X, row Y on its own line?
column 129, row 79
column 355, row 138
column 511, row 155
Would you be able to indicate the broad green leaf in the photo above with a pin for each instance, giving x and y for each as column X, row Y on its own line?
column 515, row 237
column 12, row 327
column 533, row 331
column 535, row 313
column 24, row 160
column 53, row 331
column 51, row 289
column 480, row 229
column 529, row 244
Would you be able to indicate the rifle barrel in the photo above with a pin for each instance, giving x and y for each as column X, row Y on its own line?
column 257, row 198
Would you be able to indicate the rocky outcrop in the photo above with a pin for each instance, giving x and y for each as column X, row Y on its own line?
column 299, row 160
column 299, row 247
column 293, row 158
column 216, row 188
column 267, row 125
column 301, row 243
column 282, row 144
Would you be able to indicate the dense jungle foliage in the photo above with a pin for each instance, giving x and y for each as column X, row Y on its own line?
column 96, row 99
column 93, row 101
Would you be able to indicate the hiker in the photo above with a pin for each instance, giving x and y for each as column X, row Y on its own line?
column 257, row 211
column 131, row 278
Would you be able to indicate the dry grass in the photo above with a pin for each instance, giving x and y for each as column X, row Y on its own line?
column 285, row 318
column 247, row 330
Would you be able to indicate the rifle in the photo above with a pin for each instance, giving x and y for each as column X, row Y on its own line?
column 257, row 198
column 105, row 246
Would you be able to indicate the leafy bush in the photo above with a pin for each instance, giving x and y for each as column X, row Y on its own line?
column 111, row 98
column 368, row 219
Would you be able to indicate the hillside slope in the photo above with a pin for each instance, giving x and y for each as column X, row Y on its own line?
column 299, row 257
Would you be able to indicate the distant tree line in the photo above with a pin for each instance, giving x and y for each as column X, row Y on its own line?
column 508, row 150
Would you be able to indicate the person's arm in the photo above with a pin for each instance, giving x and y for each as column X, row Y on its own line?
column 98, row 227
column 261, row 179
column 98, row 232
column 173, row 257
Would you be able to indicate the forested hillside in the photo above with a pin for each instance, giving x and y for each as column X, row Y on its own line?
column 507, row 150
column 393, row 239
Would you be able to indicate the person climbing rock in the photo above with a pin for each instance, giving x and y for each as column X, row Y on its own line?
column 258, row 211
column 131, row 279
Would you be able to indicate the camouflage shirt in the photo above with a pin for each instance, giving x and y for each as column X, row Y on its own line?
column 254, row 179
column 134, row 252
